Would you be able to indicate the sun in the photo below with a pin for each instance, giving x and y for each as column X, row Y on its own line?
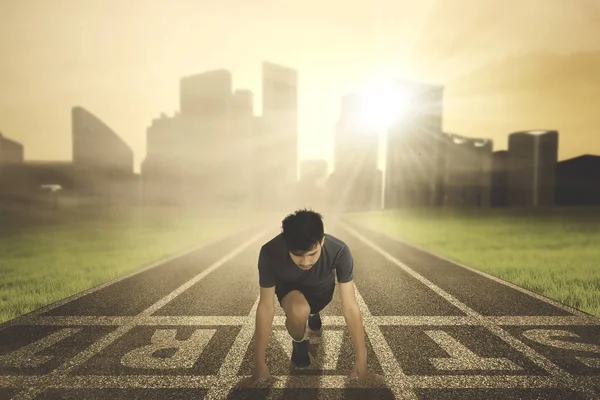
column 382, row 105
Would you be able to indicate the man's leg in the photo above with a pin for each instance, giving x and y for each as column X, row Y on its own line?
column 317, row 304
column 296, row 309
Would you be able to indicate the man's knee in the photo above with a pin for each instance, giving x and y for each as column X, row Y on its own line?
column 296, row 306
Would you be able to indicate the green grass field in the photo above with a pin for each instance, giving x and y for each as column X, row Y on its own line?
column 554, row 252
column 47, row 256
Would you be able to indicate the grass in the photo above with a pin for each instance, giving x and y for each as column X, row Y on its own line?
column 47, row 256
column 553, row 252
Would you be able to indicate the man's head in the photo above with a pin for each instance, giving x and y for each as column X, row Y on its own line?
column 304, row 236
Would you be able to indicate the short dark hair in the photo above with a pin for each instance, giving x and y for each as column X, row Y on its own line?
column 302, row 230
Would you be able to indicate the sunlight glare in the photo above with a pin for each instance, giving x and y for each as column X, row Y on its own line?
column 382, row 106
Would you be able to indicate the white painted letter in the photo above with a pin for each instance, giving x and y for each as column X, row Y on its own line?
column 462, row 358
column 25, row 357
column 186, row 354
column 544, row 336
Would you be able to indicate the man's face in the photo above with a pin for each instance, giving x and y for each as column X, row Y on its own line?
column 307, row 259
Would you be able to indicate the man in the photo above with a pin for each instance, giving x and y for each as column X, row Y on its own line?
column 300, row 266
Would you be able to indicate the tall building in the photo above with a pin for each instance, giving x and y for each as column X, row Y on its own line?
column 532, row 158
column 102, row 160
column 466, row 172
column 207, row 94
column 202, row 155
column 499, row 193
column 215, row 151
column 414, row 146
column 354, row 184
column 162, row 169
column 96, row 145
column 277, row 175
column 10, row 151
column 578, row 181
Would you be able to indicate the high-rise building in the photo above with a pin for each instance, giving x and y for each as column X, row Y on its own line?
column 206, row 95
column 279, row 136
column 102, row 160
column 163, row 180
column 203, row 155
column 499, row 196
column 414, row 146
column 466, row 171
column 578, row 181
column 216, row 151
column 96, row 145
column 532, row 158
column 10, row 151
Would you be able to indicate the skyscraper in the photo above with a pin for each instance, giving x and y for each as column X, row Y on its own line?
column 203, row 154
column 96, row 145
column 466, row 171
column 279, row 135
column 578, row 181
column 532, row 158
column 206, row 94
column 499, row 196
column 10, row 151
column 102, row 160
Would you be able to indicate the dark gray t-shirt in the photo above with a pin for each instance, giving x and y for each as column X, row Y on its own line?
column 276, row 267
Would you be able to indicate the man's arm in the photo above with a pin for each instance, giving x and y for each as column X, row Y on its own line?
column 264, row 322
column 354, row 322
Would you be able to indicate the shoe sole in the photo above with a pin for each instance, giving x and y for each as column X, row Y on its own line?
column 300, row 365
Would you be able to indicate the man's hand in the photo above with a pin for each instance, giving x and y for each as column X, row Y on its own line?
column 364, row 376
column 261, row 376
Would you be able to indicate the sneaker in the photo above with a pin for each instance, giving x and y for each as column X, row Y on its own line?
column 300, row 356
column 314, row 322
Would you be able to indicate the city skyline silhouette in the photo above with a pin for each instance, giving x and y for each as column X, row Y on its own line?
column 215, row 150
column 472, row 51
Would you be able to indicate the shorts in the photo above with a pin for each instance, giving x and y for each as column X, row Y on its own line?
column 316, row 301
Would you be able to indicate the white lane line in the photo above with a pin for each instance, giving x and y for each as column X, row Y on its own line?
column 395, row 377
column 537, row 296
column 39, row 311
column 327, row 319
column 98, row 346
column 485, row 381
column 535, row 357
column 485, row 320
column 227, row 374
column 286, row 381
column 463, row 359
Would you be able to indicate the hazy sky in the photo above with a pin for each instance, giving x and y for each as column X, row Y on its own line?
column 122, row 60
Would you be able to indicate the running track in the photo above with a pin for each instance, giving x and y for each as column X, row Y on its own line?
column 183, row 328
